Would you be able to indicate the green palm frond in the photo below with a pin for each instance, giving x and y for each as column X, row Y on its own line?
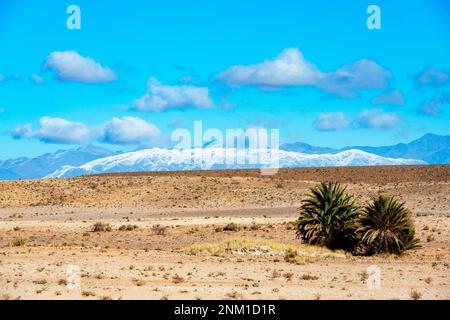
column 385, row 225
column 327, row 217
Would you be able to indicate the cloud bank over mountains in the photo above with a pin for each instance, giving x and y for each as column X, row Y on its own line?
column 54, row 130
column 288, row 69
column 120, row 131
column 367, row 119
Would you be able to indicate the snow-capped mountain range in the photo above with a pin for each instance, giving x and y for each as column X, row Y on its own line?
column 433, row 149
column 219, row 158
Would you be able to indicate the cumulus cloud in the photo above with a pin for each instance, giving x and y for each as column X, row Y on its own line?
column 54, row 130
column 393, row 97
column 24, row 131
column 432, row 77
column 129, row 131
column 290, row 68
column 161, row 97
column 71, row 66
column 360, row 75
column 433, row 106
column 120, row 131
column 331, row 122
column 377, row 119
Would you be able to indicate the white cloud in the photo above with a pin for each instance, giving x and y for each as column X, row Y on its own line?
column 393, row 97
column 377, row 119
column 129, row 131
column 122, row 131
column 71, row 66
column 431, row 106
column 37, row 78
column 24, row 131
column 55, row 130
column 162, row 97
column 290, row 68
column 360, row 75
column 332, row 122
column 432, row 77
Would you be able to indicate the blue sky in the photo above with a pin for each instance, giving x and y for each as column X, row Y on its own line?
column 138, row 69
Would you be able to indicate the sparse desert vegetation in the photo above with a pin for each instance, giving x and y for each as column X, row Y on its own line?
column 386, row 226
column 128, row 227
column 101, row 227
column 159, row 229
column 227, row 235
column 330, row 217
column 18, row 242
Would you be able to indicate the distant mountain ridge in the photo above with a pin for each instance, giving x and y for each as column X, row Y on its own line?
column 214, row 158
column 39, row 167
column 8, row 175
column 431, row 148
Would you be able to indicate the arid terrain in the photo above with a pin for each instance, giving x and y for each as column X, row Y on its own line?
column 211, row 235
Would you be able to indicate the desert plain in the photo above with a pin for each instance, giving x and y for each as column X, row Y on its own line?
column 211, row 235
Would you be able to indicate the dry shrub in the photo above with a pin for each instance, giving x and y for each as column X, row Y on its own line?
column 234, row 295
column 415, row 295
column 177, row 279
column 18, row 242
column 233, row 227
column 101, row 227
column 308, row 277
column 159, row 229
column 127, row 227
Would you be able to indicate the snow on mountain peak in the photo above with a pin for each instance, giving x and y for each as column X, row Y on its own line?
column 158, row 159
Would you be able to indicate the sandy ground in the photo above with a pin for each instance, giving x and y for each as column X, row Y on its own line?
column 46, row 239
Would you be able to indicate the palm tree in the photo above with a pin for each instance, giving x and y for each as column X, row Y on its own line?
column 327, row 217
column 385, row 225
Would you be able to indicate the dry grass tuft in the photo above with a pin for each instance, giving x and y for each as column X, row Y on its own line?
column 159, row 229
column 18, row 242
column 303, row 253
column 88, row 294
column 177, row 279
column 127, row 227
column 291, row 256
column 234, row 295
column 308, row 277
column 101, row 227
column 415, row 295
